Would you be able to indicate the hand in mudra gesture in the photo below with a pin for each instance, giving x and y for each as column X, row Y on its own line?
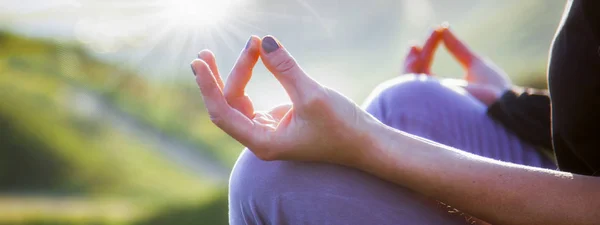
column 319, row 125
column 485, row 80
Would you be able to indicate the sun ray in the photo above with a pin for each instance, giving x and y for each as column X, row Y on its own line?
column 272, row 15
column 316, row 16
column 237, row 32
column 247, row 24
column 225, row 38
column 144, row 34
column 152, row 43
column 175, row 48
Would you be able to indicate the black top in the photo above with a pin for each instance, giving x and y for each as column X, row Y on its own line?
column 574, row 83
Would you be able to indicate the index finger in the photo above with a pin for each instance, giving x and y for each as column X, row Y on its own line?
column 429, row 48
column 458, row 49
column 242, row 70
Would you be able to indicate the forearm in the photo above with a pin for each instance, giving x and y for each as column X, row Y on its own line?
column 500, row 193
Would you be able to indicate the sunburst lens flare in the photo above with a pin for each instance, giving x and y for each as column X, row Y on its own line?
column 199, row 13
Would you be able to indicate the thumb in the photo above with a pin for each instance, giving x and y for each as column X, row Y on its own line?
column 280, row 111
column 285, row 68
column 458, row 49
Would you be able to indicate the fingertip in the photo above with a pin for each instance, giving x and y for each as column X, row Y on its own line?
column 448, row 35
column 197, row 62
column 270, row 44
column 209, row 58
column 436, row 30
column 440, row 31
column 268, row 36
column 434, row 38
column 199, row 66
column 255, row 38
column 414, row 49
column 206, row 54
column 413, row 43
column 205, row 78
column 253, row 43
column 445, row 25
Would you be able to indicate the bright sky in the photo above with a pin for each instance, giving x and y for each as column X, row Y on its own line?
column 350, row 45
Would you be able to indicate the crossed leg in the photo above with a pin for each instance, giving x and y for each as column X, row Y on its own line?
column 282, row 192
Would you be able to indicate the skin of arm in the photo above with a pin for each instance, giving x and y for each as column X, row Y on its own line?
column 497, row 192
column 478, row 179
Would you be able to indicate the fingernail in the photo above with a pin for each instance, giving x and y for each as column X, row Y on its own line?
column 248, row 43
column 193, row 71
column 269, row 44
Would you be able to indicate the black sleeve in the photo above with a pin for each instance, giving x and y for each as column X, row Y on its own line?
column 590, row 11
column 526, row 113
column 574, row 82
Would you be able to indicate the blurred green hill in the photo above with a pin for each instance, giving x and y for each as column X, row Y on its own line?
column 54, row 145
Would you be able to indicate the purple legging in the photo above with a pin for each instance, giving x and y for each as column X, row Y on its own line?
column 283, row 192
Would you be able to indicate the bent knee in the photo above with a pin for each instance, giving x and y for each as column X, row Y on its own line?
column 282, row 192
column 417, row 96
column 415, row 90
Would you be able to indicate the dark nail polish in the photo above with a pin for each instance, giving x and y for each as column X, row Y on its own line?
column 248, row 43
column 193, row 71
column 269, row 44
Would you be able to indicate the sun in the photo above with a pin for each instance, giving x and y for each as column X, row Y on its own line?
column 198, row 13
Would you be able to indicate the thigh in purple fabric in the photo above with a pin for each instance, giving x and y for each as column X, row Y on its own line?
column 282, row 192
column 446, row 114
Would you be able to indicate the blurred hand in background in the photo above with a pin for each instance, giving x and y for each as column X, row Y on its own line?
column 420, row 58
column 485, row 80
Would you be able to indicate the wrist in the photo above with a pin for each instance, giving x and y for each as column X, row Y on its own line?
column 369, row 149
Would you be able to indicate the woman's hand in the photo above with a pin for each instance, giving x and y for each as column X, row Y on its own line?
column 486, row 81
column 419, row 59
column 320, row 125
